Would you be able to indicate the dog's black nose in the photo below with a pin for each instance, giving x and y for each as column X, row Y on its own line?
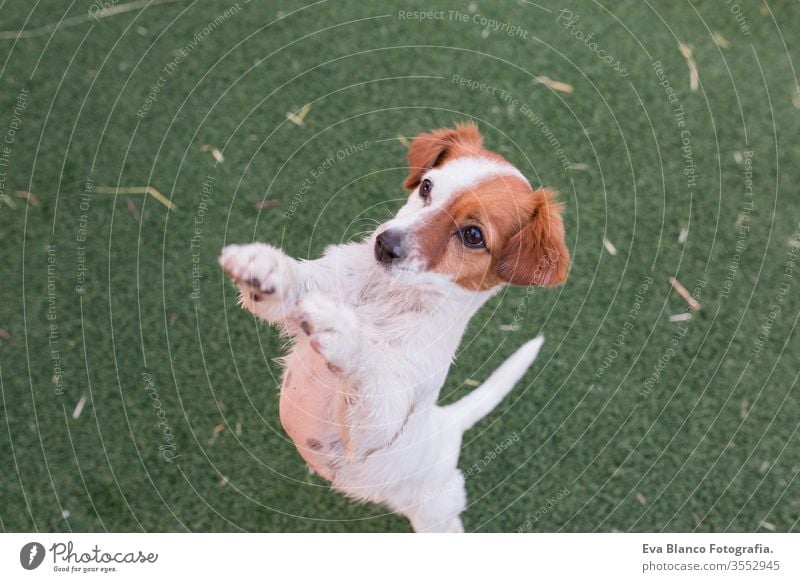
column 389, row 246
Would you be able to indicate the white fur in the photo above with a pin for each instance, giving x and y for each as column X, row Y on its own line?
column 388, row 339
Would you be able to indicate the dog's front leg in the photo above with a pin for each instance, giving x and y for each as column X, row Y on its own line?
column 270, row 282
column 372, row 406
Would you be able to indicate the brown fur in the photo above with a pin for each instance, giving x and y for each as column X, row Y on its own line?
column 538, row 254
column 429, row 150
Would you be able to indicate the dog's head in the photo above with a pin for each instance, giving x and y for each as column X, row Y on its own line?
column 472, row 217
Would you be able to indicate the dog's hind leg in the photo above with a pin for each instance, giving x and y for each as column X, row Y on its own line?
column 439, row 508
column 481, row 401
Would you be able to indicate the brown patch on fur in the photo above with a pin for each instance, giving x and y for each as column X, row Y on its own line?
column 537, row 254
column 314, row 444
column 429, row 150
column 435, row 235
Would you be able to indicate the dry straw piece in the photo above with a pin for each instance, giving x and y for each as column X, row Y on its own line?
column 137, row 190
column 76, row 414
column 32, row 200
column 555, row 85
column 77, row 20
column 266, row 204
column 215, row 153
column 694, row 75
column 680, row 317
column 509, row 327
column 691, row 301
column 721, row 41
column 299, row 117
column 132, row 209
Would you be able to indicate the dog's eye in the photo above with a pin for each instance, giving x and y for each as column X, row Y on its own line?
column 473, row 237
column 425, row 189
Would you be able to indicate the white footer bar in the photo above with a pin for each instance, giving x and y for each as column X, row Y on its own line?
column 355, row 557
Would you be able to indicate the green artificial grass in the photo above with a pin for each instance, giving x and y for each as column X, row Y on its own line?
column 626, row 422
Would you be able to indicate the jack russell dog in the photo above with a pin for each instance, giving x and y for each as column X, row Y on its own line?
column 374, row 325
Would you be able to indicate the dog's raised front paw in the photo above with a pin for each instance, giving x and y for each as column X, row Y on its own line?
column 331, row 327
column 258, row 266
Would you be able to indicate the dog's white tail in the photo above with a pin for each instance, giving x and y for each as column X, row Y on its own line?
column 484, row 398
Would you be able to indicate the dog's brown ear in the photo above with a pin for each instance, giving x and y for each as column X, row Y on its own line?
column 428, row 150
column 537, row 254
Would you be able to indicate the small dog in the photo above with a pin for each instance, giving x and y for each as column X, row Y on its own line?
column 375, row 325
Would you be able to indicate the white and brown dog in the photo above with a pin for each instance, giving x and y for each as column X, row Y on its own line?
column 375, row 324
